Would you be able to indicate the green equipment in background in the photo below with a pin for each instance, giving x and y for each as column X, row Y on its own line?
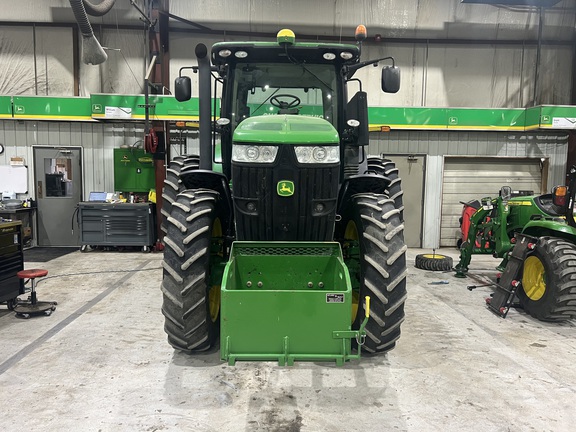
column 133, row 170
column 544, row 275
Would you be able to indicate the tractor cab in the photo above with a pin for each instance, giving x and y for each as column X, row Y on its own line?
column 290, row 78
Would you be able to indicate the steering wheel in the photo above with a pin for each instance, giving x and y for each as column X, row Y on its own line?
column 285, row 105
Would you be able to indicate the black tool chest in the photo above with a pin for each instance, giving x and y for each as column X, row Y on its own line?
column 11, row 261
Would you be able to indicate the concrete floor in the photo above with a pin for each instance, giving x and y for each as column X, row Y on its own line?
column 101, row 363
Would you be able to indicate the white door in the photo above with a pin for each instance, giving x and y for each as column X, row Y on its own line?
column 411, row 172
column 58, row 181
column 468, row 178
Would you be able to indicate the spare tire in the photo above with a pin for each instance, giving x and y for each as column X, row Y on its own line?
column 433, row 262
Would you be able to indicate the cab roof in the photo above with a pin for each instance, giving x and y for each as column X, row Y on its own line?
column 272, row 52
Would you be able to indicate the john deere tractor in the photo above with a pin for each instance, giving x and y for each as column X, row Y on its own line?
column 281, row 233
column 546, row 278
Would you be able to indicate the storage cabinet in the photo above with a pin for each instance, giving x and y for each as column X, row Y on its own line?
column 122, row 224
column 133, row 171
column 11, row 262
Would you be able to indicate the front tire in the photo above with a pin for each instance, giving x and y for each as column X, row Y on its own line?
column 173, row 185
column 371, row 234
column 194, row 248
column 387, row 168
column 548, row 290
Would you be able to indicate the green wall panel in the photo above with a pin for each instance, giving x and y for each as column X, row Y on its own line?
column 407, row 118
column 5, row 107
column 485, row 119
column 557, row 117
column 131, row 107
column 52, row 108
column 447, row 118
column 532, row 119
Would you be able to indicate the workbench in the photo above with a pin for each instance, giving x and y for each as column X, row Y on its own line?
column 23, row 214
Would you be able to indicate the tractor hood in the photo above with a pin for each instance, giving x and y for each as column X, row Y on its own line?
column 286, row 129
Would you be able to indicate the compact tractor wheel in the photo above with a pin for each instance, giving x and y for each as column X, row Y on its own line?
column 173, row 185
column 548, row 290
column 433, row 262
column 388, row 168
column 193, row 262
column 371, row 234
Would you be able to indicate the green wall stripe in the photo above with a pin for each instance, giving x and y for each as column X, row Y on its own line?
column 131, row 108
column 52, row 108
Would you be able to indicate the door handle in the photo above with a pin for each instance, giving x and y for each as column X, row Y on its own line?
column 39, row 190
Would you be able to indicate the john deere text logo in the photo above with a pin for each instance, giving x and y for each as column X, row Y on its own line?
column 285, row 188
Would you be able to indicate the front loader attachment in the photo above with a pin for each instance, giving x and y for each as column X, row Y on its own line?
column 287, row 301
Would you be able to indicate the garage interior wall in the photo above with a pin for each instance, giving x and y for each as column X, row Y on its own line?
column 438, row 144
column 97, row 140
column 451, row 54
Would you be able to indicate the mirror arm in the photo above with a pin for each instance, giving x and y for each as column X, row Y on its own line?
column 194, row 68
column 349, row 71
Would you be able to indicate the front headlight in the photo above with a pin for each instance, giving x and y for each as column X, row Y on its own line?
column 317, row 154
column 254, row 153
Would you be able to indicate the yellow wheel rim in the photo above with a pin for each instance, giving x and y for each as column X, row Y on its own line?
column 431, row 256
column 214, row 293
column 351, row 233
column 534, row 281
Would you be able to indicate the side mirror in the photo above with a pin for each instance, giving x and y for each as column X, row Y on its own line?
column 506, row 193
column 560, row 196
column 183, row 88
column 390, row 79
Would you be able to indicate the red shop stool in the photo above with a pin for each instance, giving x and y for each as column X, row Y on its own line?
column 33, row 306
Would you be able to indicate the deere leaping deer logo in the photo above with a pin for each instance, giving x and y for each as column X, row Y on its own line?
column 285, row 188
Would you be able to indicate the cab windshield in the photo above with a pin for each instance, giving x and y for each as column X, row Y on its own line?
column 272, row 88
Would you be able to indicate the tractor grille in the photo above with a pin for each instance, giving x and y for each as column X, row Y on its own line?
column 291, row 251
column 262, row 214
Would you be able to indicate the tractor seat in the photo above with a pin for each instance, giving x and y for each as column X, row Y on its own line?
column 33, row 306
column 544, row 203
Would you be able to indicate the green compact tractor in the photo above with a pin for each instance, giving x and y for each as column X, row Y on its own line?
column 282, row 232
column 536, row 237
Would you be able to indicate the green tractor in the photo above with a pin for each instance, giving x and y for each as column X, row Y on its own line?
column 546, row 276
column 281, row 234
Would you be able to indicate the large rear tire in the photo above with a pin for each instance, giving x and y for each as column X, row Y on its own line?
column 190, row 289
column 388, row 169
column 548, row 290
column 371, row 234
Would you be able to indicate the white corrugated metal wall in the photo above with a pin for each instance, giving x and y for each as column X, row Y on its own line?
column 96, row 139
column 490, row 62
column 438, row 144
column 474, row 178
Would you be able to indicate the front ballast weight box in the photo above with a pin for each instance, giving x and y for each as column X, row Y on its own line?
column 287, row 301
